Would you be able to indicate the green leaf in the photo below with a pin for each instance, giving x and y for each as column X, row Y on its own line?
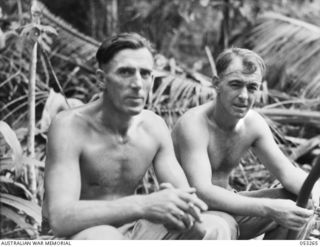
column 29, row 207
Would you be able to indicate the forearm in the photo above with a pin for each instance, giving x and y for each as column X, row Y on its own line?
column 71, row 218
column 293, row 180
column 221, row 199
column 172, row 174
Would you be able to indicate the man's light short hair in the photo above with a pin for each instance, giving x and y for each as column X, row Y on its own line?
column 251, row 61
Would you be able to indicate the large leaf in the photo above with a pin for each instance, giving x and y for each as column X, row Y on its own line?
column 313, row 88
column 12, row 140
column 180, row 93
column 10, row 181
column 292, row 116
column 72, row 43
column 54, row 104
column 28, row 207
column 292, row 45
column 19, row 219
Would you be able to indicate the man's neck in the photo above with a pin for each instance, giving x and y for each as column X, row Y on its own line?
column 114, row 120
column 222, row 119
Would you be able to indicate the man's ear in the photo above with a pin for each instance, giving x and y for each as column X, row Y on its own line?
column 99, row 75
column 215, row 81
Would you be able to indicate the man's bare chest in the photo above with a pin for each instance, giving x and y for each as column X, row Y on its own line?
column 112, row 164
column 226, row 151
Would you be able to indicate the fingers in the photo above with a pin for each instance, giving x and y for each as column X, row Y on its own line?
column 188, row 203
column 188, row 221
column 298, row 221
column 187, row 195
column 195, row 212
column 164, row 186
column 302, row 212
column 179, row 214
column 186, row 218
column 195, row 201
column 296, row 225
column 175, row 224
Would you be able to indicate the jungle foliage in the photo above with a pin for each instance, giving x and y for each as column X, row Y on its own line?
column 188, row 35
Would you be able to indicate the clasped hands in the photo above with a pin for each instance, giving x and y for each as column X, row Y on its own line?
column 177, row 209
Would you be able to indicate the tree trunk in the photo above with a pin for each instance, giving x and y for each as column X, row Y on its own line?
column 112, row 17
column 35, row 12
column 225, row 25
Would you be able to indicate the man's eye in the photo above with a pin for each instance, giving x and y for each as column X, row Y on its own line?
column 252, row 88
column 145, row 73
column 126, row 72
column 235, row 84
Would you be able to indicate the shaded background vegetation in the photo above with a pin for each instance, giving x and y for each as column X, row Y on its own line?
column 188, row 35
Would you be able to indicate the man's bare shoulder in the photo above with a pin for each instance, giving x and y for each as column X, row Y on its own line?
column 193, row 125
column 71, row 120
column 193, row 117
column 255, row 124
column 151, row 121
column 254, row 119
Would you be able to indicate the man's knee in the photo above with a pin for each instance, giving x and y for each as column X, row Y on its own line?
column 103, row 232
column 217, row 225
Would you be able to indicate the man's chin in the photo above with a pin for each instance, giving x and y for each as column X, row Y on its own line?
column 134, row 111
column 240, row 114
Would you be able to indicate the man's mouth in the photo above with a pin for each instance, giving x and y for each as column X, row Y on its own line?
column 240, row 106
column 135, row 97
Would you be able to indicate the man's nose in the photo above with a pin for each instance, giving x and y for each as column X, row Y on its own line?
column 244, row 94
column 136, row 81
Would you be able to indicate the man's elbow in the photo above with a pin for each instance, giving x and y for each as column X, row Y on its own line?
column 58, row 223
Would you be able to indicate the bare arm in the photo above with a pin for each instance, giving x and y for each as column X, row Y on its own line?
column 272, row 157
column 191, row 141
column 167, row 168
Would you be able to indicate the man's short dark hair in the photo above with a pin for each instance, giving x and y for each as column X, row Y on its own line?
column 110, row 47
column 250, row 60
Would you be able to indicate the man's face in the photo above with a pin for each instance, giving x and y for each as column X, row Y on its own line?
column 238, row 89
column 128, row 80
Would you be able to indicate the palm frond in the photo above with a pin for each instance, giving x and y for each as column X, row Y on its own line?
column 292, row 116
column 289, row 43
column 19, row 219
column 72, row 43
column 10, row 137
column 313, row 88
column 28, row 207
column 179, row 92
column 174, row 94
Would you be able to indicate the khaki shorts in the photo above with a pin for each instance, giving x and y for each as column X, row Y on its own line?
column 138, row 230
column 146, row 230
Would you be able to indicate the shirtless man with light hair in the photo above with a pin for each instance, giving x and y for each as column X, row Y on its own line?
column 210, row 140
column 98, row 153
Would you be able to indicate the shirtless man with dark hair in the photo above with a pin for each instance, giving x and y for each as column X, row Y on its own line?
column 210, row 140
column 98, row 153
